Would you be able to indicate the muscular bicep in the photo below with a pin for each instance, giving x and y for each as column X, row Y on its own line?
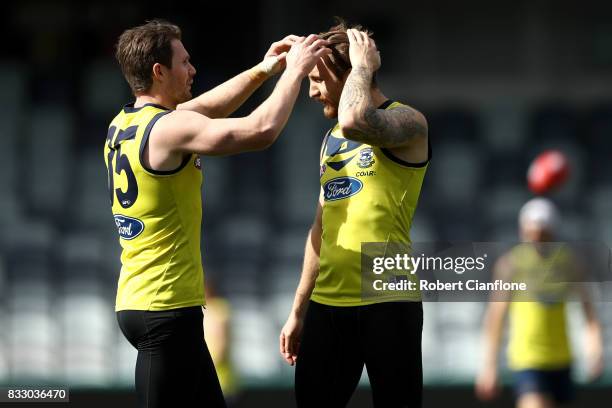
column 191, row 132
column 394, row 128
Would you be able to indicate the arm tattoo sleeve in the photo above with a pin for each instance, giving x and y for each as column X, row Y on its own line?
column 373, row 126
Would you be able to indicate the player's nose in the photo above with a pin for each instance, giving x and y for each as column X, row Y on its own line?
column 313, row 91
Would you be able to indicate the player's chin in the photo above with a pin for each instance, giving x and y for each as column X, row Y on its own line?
column 330, row 112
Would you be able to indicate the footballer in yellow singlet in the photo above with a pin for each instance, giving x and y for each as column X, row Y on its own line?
column 372, row 166
column 369, row 196
column 538, row 349
column 154, row 174
column 538, row 326
column 158, row 217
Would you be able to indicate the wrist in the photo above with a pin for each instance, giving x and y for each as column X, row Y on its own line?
column 298, row 311
column 297, row 314
column 293, row 74
column 257, row 73
column 363, row 69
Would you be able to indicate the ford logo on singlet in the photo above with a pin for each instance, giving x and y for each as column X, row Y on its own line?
column 128, row 227
column 341, row 187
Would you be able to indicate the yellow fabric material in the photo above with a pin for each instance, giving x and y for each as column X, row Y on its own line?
column 368, row 197
column 158, row 217
column 538, row 327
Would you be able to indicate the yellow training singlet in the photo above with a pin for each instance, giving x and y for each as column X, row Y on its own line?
column 538, row 329
column 158, row 217
column 369, row 196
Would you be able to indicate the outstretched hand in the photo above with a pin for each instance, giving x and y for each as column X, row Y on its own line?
column 305, row 52
column 274, row 60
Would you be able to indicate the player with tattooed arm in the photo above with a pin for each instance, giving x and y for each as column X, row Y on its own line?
column 372, row 166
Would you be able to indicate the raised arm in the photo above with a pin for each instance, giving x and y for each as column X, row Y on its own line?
column 359, row 119
column 190, row 132
column 223, row 100
column 289, row 340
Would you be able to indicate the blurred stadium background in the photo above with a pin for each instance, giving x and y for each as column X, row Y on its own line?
column 498, row 82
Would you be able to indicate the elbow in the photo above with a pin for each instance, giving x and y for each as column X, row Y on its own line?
column 420, row 118
column 348, row 126
column 262, row 131
column 265, row 137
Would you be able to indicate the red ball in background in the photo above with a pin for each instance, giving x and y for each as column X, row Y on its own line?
column 548, row 171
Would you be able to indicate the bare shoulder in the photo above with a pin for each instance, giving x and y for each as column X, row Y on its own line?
column 408, row 121
column 178, row 125
column 412, row 120
column 176, row 120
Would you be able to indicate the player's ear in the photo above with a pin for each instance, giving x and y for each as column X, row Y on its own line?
column 157, row 71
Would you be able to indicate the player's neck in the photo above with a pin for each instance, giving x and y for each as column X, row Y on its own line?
column 156, row 99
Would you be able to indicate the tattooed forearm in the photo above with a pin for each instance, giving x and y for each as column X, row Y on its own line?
column 356, row 90
column 377, row 127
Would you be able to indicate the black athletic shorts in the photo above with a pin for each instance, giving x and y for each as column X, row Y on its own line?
column 557, row 384
column 174, row 367
column 338, row 341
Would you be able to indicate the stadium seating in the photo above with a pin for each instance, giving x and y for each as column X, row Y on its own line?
column 59, row 253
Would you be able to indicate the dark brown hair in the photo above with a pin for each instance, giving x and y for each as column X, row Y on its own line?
column 339, row 44
column 139, row 48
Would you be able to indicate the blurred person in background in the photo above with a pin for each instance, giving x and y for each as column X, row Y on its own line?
column 152, row 154
column 372, row 166
column 538, row 350
column 218, row 335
